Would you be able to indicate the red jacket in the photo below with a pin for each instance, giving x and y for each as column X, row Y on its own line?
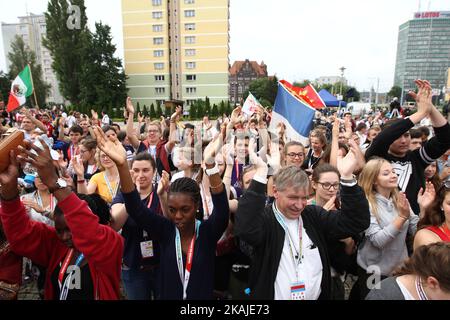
column 100, row 244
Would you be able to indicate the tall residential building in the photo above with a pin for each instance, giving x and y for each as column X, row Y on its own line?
column 423, row 50
column 32, row 28
column 242, row 73
column 176, row 50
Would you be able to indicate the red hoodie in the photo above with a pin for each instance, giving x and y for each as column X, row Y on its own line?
column 101, row 245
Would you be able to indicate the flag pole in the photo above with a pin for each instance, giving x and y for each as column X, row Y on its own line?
column 34, row 91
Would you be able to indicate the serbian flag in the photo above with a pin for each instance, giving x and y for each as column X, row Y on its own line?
column 251, row 105
column 294, row 113
column 21, row 88
column 307, row 94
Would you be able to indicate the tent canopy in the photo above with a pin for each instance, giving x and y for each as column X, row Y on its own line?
column 330, row 100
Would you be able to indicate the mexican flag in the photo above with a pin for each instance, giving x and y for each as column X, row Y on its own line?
column 21, row 88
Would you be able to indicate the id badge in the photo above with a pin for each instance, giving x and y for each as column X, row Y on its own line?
column 147, row 249
column 298, row 291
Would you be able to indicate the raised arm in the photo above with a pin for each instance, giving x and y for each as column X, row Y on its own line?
column 173, row 139
column 157, row 226
column 130, row 125
column 249, row 220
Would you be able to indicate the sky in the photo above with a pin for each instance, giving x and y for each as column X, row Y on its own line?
column 296, row 39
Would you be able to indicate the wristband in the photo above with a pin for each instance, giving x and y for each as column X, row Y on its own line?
column 349, row 181
column 81, row 181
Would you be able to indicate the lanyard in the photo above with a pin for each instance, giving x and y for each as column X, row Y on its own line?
column 420, row 291
column 190, row 255
column 237, row 169
column 65, row 288
column 64, row 267
column 73, row 151
column 150, row 200
column 111, row 191
column 310, row 164
column 205, row 201
column 297, row 258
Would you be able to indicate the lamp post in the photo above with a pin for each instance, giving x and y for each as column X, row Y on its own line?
column 342, row 69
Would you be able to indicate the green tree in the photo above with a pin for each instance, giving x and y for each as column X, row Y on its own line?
column 395, row 91
column 193, row 111
column 229, row 109
column 138, row 108
column 21, row 55
column 222, row 108
column 159, row 111
column 207, row 107
column 302, row 84
column 103, row 81
column 146, row 113
column 214, row 111
column 264, row 89
column 67, row 47
column 152, row 111
column 5, row 87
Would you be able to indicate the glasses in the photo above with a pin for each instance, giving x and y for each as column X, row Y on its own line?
column 293, row 155
column 327, row 185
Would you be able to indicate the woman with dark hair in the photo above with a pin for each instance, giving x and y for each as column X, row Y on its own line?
column 81, row 254
column 435, row 224
column 425, row 276
column 188, row 246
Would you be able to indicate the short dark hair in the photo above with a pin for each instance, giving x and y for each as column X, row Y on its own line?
column 188, row 186
column 145, row 156
column 107, row 128
column 76, row 129
column 415, row 133
column 121, row 136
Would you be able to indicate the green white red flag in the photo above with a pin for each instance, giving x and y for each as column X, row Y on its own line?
column 21, row 88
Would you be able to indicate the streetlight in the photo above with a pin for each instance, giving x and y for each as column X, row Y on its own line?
column 342, row 69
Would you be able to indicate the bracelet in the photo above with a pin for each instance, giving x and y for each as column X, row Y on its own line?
column 402, row 217
column 81, row 181
column 217, row 187
column 349, row 180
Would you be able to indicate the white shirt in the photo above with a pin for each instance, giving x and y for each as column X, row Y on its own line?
column 405, row 292
column 309, row 271
column 71, row 121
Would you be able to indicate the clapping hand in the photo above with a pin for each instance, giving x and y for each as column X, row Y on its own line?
column 426, row 197
column 403, row 207
column 114, row 150
column 164, row 184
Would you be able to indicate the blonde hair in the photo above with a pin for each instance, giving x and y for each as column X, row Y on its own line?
column 367, row 180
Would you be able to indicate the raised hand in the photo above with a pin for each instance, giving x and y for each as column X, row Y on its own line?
column 113, row 150
column 94, row 114
column 130, row 107
column 423, row 97
column 254, row 158
column 177, row 114
column 403, row 205
column 347, row 165
column 235, row 115
column 426, row 197
column 164, row 184
column 330, row 205
column 8, row 178
column 33, row 205
column 77, row 165
column 41, row 159
column 140, row 117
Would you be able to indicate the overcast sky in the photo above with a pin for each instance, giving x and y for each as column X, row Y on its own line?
column 297, row 39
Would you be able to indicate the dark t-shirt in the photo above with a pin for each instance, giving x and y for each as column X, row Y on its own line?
column 134, row 235
column 86, row 285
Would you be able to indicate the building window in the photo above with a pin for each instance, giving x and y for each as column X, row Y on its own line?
column 190, row 52
column 158, row 53
column 158, row 40
column 189, row 13
column 156, row 2
column 159, row 78
column 160, row 102
column 191, row 77
column 157, row 15
column 190, row 65
column 191, row 90
column 189, row 39
column 190, row 102
column 159, row 66
column 157, row 28
column 189, row 1
column 160, row 90
column 189, row 26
